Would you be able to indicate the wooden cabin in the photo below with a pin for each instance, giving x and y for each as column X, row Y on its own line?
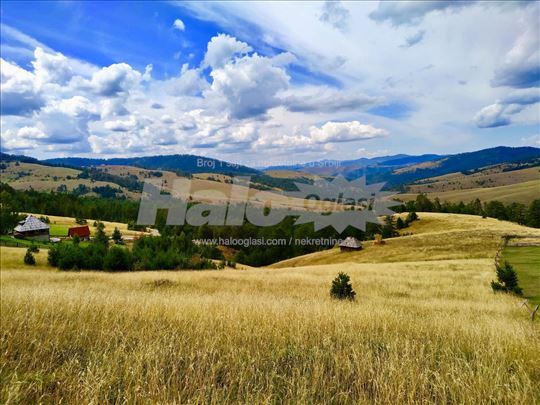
column 32, row 228
column 350, row 244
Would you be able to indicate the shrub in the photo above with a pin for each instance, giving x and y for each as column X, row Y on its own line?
column 161, row 283
column 33, row 249
column 389, row 228
column 95, row 254
column 117, row 236
column 53, row 255
column 70, row 257
column 342, row 288
column 75, row 239
column 507, row 280
column 80, row 221
column 118, row 259
column 29, row 258
column 101, row 237
column 412, row 216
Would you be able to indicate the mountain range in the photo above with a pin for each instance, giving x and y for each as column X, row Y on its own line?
column 395, row 170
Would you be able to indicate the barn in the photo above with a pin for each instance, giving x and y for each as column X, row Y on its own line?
column 350, row 244
column 83, row 232
column 32, row 228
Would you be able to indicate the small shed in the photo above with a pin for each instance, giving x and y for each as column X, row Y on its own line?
column 31, row 228
column 83, row 232
column 350, row 244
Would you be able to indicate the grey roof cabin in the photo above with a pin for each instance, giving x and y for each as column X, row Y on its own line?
column 350, row 244
column 31, row 228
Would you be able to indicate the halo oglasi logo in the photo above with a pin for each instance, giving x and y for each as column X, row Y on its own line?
column 337, row 203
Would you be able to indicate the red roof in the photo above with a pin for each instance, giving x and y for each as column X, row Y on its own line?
column 81, row 231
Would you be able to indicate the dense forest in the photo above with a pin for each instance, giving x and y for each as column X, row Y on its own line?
column 117, row 210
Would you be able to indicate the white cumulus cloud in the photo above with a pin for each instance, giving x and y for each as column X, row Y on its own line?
column 222, row 48
column 179, row 25
column 344, row 132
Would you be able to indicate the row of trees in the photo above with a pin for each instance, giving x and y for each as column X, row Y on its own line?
column 148, row 253
column 61, row 204
column 528, row 215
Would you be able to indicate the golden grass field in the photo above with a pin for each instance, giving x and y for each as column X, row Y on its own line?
column 424, row 329
column 489, row 177
column 524, row 192
column 27, row 176
column 32, row 171
column 291, row 174
column 435, row 236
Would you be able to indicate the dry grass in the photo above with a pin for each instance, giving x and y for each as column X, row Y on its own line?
column 213, row 176
column 491, row 177
column 32, row 172
column 524, row 192
column 31, row 176
column 219, row 192
column 434, row 237
column 419, row 332
column 291, row 174
column 428, row 332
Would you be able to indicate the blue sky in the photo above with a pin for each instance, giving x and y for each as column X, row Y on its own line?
column 279, row 82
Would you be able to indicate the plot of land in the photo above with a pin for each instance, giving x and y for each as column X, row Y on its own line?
column 491, row 177
column 524, row 192
column 420, row 331
column 434, row 237
column 526, row 262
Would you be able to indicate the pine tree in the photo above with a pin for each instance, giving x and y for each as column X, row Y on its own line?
column 117, row 237
column 29, row 258
column 342, row 288
column 411, row 216
column 389, row 228
column 507, row 279
column 101, row 237
column 533, row 214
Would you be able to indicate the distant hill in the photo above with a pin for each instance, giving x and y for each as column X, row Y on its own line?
column 329, row 166
column 462, row 162
column 355, row 167
column 399, row 170
column 184, row 163
column 524, row 192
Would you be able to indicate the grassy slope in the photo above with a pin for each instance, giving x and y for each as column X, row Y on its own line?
column 28, row 176
column 32, row 171
column 291, row 174
column 421, row 331
column 434, row 237
column 41, row 178
column 526, row 261
column 490, row 177
column 524, row 192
